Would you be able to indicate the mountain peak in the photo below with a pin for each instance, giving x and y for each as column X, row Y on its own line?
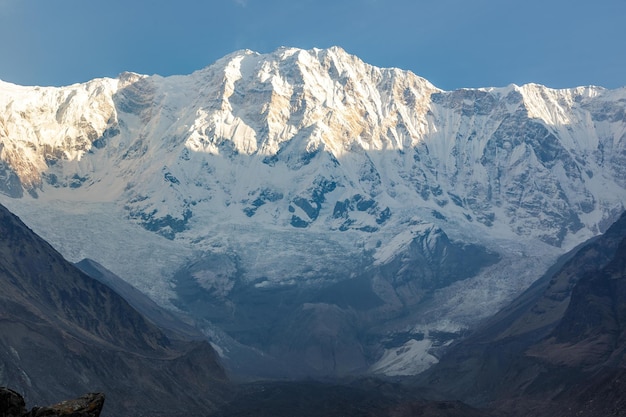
column 292, row 105
column 307, row 168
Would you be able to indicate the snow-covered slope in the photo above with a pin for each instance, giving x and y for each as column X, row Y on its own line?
column 309, row 169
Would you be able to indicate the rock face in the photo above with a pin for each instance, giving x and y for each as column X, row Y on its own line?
column 62, row 332
column 89, row 405
column 559, row 349
column 175, row 324
column 276, row 179
column 11, row 403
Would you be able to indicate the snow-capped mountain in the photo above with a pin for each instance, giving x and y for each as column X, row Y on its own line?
column 299, row 188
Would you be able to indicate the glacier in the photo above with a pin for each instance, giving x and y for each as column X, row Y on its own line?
column 308, row 188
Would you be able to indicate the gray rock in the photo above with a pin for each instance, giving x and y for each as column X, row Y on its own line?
column 88, row 405
column 12, row 404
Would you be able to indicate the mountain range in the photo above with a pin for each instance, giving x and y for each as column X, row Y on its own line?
column 310, row 214
column 557, row 350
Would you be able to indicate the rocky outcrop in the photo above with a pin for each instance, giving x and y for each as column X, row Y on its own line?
column 88, row 405
column 12, row 404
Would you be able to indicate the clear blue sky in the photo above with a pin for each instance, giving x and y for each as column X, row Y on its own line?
column 452, row 43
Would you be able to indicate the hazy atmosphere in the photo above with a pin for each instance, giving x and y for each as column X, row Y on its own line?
column 452, row 43
column 257, row 208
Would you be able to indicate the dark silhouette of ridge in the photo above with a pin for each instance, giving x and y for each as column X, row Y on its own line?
column 63, row 333
column 559, row 349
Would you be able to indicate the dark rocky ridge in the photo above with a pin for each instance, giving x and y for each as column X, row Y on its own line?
column 12, row 404
column 175, row 325
column 63, row 333
column 559, row 349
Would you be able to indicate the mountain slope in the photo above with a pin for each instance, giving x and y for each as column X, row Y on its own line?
column 177, row 325
column 288, row 176
column 559, row 348
column 63, row 333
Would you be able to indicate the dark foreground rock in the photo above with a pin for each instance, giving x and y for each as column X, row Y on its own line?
column 12, row 404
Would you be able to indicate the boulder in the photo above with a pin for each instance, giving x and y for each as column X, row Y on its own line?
column 11, row 403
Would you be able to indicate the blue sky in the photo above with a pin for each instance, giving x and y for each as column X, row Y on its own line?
column 452, row 43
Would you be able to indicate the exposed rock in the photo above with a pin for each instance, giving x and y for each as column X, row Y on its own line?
column 559, row 349
column 12, row 404
column 88, row 405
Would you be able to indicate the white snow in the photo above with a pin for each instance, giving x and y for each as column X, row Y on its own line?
column 238, row 142
column 409, row 359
